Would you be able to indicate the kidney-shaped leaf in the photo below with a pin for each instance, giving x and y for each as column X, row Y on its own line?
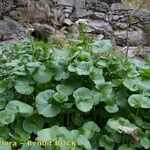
column 97, row 76
column 42, row 76
column 33, row 124
column 83, row 98
column 90, row 128
column 60, row 97
column 106, row 142
column 19, row 107
column 23, row 86
column 111, row 108
column 101, row 46
column 84, row 68
column 34, row 147
column 65, row 89
column 6, row 117
column 83, row 141
column 138, row 100
column 124, row 147
column 123, row 125
column 44, row 104
column 132, row 84
column 5, row 147
column 52, row 134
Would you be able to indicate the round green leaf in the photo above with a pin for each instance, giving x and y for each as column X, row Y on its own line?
column 120, row 122
column 6, row 117
column 21, row 135
column 44, row 104
column 52, row 134
column 60, row 97
column 83, row 98
column 145, row 142
column 42, row 76
column 84, row 68
column 132, row 84
column 84, row 55
column 23, row 86
column 106, row 142
column 33, row 124
column 97, row 76
column 65, row 89
column 124, row 147
column 138, row 100
column 19, row 107
column 101, row 46
column 4, row 133
column 145, row 84
column 61, row 74
column 3, row 147
column 82, row 141
column 72, row 68
column 90, row 128
column 112, row 108
column 26, row 147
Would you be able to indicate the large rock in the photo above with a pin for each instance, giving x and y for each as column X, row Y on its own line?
column 117, row 6
column 142, row 13
column 23, row 13
column 80, row 10
column 134, row 37
column 65, row 2
column 98, row 15
column 43, row 31
column 99, row 26
column 11, row 30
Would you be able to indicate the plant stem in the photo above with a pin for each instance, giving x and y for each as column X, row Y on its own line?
column 136, row 114
column 123, row 140
column 94, row 114
column 68, row 116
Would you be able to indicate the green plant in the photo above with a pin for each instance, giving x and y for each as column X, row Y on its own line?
column 84, row 93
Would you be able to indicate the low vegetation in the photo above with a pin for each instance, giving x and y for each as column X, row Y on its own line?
column 77, row 90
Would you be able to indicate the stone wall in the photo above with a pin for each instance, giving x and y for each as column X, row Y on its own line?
column 109, row 18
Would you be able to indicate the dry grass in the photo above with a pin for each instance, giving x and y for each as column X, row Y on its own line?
column 145, row 4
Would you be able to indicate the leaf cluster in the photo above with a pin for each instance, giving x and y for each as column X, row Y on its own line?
column 84, row 93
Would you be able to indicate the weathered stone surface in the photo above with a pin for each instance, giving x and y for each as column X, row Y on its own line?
column 122, row 25
column 81, row 13
column 100, row 26
column 23, row 13
column 134, row 37
column 68, row 22
column 66, row 2
column 140, row 13
column 134, row 51
column 98, row 15
column 80, row 10
column 43, row 30
column 117, row 6
column 11, row 30
column 105, row 16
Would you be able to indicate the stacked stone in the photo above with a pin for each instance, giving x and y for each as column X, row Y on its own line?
column 107, row 17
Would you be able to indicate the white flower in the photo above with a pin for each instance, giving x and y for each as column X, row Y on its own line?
column 30, row 30
column 82, row 21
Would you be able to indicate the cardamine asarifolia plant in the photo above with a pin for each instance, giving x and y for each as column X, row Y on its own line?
column 84, row 93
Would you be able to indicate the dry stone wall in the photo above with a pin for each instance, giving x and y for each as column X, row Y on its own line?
column 107, row 17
